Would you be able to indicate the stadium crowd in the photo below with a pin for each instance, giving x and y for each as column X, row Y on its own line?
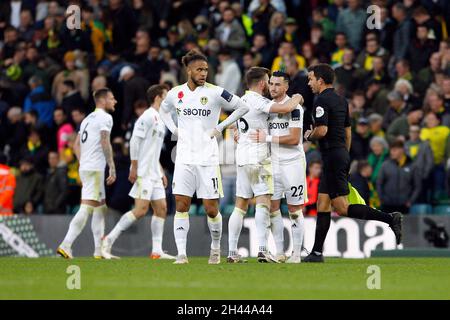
column 396, row 78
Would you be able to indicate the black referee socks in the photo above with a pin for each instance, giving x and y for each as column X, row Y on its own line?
column 322, row 226
column 360, row 211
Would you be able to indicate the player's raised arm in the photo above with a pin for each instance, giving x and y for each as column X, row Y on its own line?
column 239, row 106
column 107, row 151
column 165, row 112
column 287, row 106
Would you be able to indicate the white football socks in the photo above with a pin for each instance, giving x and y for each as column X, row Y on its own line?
column 277, row 228
column 215, row 228
column 77, row 224
column 124, row 223
column 98, row 227
column 298, row 230
column 234, row 230
column 180, row 230
column 157, row 226
column 262, row 221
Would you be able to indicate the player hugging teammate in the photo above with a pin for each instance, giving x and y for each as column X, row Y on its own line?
column 270, row 162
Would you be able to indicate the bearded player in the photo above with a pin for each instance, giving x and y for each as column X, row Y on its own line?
column 289, row 168
column 198, row 105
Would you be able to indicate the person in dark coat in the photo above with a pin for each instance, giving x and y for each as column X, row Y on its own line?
column 72, row 97
column 399, row 182
column 55, row 196
column 360, row 149
column 361, row 178
column 29, row 188
column 299, row 84
column 402, row 34
column 134, row 88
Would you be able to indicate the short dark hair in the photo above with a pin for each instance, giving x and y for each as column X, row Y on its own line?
column 255, row 74
column 33, row 113
column 397, row 144
column 400, row 6
column 101, row 93
column 193, row 55
column 154, row 91
column 69, row 83
column 79, row 109
column 362, row 164
column 60, row 109
column 281, row 74
column 313, row 162
column 323, row 71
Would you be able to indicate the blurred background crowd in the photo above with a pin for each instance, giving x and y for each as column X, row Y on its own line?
column 396, row 79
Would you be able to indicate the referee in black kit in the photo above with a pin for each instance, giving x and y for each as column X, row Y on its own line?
column 332, row 130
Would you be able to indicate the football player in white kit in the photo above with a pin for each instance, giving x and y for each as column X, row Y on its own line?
column 289, row 168
column 254, row 164
column 94, row 151
column 146, row 175
column 197, row 170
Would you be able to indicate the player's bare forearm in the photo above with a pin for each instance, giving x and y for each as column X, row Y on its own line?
column 287, row 106
column 317, row 133
column 348, row 137
column 107, row 151
column 76, row 147
column 292, row 139
column 242, row 109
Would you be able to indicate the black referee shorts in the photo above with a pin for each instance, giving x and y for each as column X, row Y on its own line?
column 334, row 177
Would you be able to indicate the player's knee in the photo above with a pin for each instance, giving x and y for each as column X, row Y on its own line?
column 160, row 211
column 140, row 211
column 211, row 210
column 294, row 210
column 182, row 206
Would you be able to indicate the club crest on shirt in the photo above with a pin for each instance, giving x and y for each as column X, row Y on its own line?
column 319, row 112
column 203, row 100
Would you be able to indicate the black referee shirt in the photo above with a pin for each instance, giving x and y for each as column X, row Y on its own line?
column 331, row 110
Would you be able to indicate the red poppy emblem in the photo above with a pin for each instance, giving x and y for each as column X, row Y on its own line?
column 180, row 95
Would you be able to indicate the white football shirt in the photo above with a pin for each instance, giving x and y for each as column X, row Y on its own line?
column 151, row 129
column 279, row 125
column 198, row 114
column 92, row 157
column 248, row 151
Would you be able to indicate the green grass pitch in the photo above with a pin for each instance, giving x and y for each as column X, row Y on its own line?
column 142, row 278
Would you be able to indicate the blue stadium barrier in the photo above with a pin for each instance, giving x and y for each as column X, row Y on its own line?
column 421, row 208
column 441, row 209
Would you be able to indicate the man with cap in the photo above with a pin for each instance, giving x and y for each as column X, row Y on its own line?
column 399, row 128
column 360, row 140
column 290, row 32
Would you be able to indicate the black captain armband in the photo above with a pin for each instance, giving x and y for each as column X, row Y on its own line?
column 226, row 95
column 295, row 115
